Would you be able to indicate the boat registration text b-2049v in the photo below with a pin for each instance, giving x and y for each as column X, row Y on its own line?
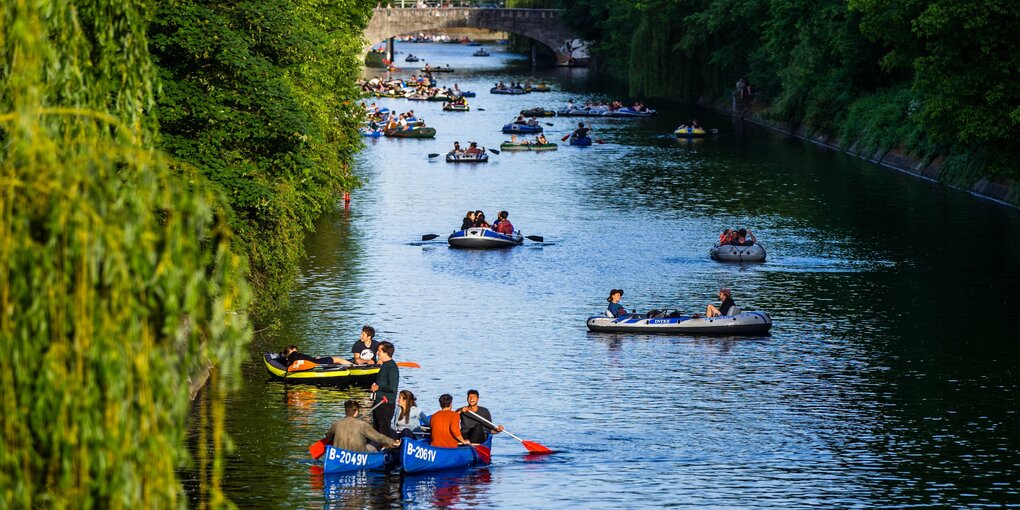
column 348, row 458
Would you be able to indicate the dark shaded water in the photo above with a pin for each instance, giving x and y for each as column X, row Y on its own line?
column 890, row 378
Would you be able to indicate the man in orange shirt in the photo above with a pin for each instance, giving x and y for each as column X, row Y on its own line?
column 445, row 425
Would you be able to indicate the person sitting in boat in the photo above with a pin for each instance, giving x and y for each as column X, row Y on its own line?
column 356, row 435
column 468, row 221
column 456, row 148
column 742, row 239
column 520, row 120
column 408, row 418
column 541, row 140
column 615, row 309
column 445, row 425
column 533, row 122
column 480, row 220
column 725, row 237
column 472, row 429
column 291, row 354
column 365, row 348
column 503, row 225
column 580, row 132
column 570, row 104
column 473, row 149
column 726, row 307
column 695, row 124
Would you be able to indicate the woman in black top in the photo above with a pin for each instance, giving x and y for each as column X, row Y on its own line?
column 725, row 308
column 469, row 220
column 480, row 220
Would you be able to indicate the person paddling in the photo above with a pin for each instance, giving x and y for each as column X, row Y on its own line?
column 473, row 430
column 580, row 132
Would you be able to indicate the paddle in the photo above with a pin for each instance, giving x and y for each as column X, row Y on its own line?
column 537, row 239
column 480, row 109
column 532, row 446
column 494, row 151
column 319, row 447
column 429, row 237
column 565, row 137
column 550, row 124
column 433, row 154
column 408, row 364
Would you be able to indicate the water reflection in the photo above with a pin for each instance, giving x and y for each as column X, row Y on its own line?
column 890, row 378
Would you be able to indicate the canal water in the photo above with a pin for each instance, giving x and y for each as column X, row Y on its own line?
column 890, row 377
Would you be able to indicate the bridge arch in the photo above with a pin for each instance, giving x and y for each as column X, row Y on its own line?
column 542, row 25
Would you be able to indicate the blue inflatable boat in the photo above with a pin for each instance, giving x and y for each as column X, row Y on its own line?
column 418, row 456
column 338, row 460
column 521, row 129
column 482, row 239
column 666, row 322
column 581, row 142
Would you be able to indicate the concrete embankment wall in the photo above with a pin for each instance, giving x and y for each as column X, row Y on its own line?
column 1001, row 192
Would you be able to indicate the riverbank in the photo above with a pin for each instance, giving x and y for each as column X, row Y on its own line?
column 1001, row 192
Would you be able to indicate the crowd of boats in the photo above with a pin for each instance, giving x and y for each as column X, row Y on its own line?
column 415, row 452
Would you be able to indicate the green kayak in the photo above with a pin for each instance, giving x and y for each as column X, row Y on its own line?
column 507, row 146
column 415, row 132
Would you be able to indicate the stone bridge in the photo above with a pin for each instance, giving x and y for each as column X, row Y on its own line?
column 544, row 26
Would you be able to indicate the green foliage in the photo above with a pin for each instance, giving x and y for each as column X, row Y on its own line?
column 118, row 279
column 829, row 66
column 259, row 96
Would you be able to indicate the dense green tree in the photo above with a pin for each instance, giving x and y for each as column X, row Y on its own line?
column 118, row 279
column 258, row 96
column 934, row 77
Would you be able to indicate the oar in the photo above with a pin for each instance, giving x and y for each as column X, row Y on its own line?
column 433, row 154
column 565, row 137
column 429, row 237
column 537, row 239
column 532, row 446
column 550, row 124
column 494, row 151
column 480, row 109
column 408, row 364
column 319, row 447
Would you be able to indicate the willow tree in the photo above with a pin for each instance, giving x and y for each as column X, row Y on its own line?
column 117, row 278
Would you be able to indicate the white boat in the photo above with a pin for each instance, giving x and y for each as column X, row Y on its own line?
column 731, row 253
column 483, row 239
column 463, row 157
column 744, row 323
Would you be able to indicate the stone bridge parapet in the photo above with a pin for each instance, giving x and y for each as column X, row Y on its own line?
column 542, row 25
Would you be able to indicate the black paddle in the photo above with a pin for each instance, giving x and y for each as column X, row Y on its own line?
column 550, row 124
column 537, row 239
column 480, row 109
column 494, row 151
column 429, row 237
column 433, row 154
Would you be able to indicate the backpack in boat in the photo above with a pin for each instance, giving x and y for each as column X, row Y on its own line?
column 655, row 314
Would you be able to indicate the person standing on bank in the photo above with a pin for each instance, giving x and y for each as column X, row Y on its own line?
column 473, row 430
column 365, row 348
column 385, row 386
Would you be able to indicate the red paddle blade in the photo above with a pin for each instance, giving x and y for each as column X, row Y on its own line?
column 534, row 447
column 483, row 453
column 317, row 449
column 410, row 364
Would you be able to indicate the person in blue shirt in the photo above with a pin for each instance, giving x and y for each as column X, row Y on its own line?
column 615, row 309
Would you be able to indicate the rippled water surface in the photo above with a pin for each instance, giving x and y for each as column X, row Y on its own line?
column 890, row 377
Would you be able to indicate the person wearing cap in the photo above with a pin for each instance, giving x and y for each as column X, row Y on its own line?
column 727, row 307
column 473, row 149
column 615, row 309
